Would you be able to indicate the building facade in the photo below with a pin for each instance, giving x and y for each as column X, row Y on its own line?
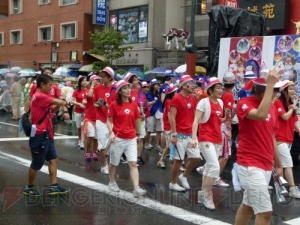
column 45, row 33
column 56, row 32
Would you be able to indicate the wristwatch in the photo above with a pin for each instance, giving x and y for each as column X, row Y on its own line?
column 174, row 135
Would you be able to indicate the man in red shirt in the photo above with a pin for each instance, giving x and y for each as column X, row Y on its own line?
column 55, row 92
column 41, row 141
column 257, row 150
column 182, row 112
column 102, row 101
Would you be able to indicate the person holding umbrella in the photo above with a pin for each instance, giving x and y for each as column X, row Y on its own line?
column 16, row 92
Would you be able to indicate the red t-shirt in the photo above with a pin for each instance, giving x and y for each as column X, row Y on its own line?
column 54, row 92
column 134, row 95
column 40, row 103
column 255, row 144
column 228, row 100
column 167, row 125
column 113, row 95
column 79, row 96
column 211, row 130
column 185, row 113
column 124, row 117
column 103, row 92
column 285, row 131
column 90, row 110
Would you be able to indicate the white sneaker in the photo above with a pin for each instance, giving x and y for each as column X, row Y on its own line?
column 139, row 192
column 294, row 192
column 148, row 146
column 81, row 146
column 176, row 187
column 104, row 170
column 206, row 199
column 182, row 169
column 220, row 183
column 184, row 181
column 200, row 170
column 112, row 186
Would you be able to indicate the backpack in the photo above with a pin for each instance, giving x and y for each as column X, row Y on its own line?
column 26, row 123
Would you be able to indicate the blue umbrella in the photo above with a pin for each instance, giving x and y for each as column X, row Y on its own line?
column 157, row 70
column 135, row 69
column 76, row 66
column 73, row 73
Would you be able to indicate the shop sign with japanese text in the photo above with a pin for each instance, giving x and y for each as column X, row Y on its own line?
column 276, row 12
column 100, row 12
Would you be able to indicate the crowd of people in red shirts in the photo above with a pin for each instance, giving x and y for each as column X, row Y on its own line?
column 190, row 117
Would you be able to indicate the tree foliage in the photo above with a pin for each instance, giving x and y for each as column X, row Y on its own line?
column 108, row 43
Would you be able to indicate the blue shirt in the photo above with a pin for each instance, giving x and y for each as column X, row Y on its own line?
column 243, row 93
column 157, row 105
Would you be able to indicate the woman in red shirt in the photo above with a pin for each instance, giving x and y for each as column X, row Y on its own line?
column 89, row 123
column 123, row 125
column 209, row 113
column 78, row 95
column 170, row 92
column 284, row 135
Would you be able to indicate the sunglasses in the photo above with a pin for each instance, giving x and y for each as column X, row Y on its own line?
column 146, row 87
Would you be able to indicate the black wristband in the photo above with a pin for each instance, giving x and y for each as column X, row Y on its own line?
column 66, row 112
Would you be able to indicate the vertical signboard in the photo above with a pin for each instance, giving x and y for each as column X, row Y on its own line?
column 100, row 12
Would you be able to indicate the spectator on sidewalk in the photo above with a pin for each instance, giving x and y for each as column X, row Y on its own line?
column 16, row 93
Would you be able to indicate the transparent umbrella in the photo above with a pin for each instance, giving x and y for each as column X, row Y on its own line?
column 10, row 75
column 86, row 68
column 181, row 69
column 4, row 71
column 15, row 69
column 62, row 71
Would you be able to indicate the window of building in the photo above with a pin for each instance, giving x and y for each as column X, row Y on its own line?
column 44, row 2
column 16, row 6
column 16, row 37
column 1, row 38
column 68, row 30
column 131, row 21
column 67, row 2
column 45, row 33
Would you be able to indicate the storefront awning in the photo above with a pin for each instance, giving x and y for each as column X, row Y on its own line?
column 100, row 57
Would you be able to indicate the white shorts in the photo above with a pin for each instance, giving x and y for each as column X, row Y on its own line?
column 120, row 146
column 78, row 118
column 102, row 133
column 255, row 182
column 211, row 153
column 91, row 130
column 154, row 124
column 168, row 138
column 143, row 129
column 183, row 145
column 223, row 130
column 285, row 155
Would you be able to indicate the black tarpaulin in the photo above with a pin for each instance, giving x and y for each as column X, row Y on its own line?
column 231, row 22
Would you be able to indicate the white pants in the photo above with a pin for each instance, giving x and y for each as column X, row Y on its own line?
column 78, row 118
column 255, row 183
column 184, row 145
column 91, row 130
column 120, row 146
column 102, row 133
column 285, row 155
column 211, row 153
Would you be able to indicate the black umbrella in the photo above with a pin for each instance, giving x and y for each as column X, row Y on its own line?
column 75, row 66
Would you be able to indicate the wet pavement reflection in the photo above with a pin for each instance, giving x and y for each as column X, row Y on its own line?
column 92, row 205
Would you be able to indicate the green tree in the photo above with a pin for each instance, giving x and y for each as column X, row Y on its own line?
column 108, row 43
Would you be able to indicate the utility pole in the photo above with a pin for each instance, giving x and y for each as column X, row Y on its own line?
column 191, row 48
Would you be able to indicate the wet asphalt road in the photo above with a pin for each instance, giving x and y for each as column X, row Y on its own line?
column 89, row 201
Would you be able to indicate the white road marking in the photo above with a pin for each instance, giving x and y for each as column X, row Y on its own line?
column 145, row 202
column 293, row 221
column 27, row 138
column 14, row 125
